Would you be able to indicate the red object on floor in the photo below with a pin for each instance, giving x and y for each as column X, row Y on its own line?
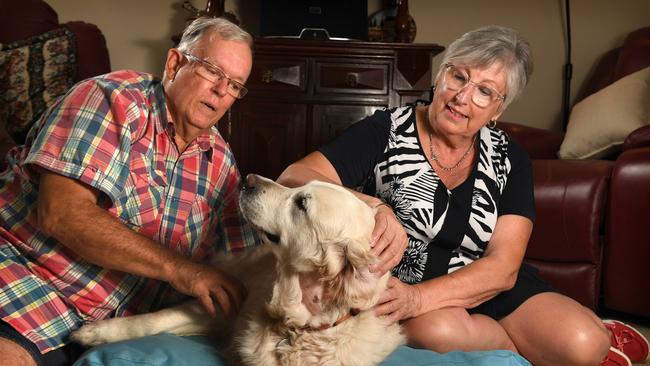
column 615, row 358
column 628, row 340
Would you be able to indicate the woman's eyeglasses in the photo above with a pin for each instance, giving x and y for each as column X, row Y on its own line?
column 482, row 95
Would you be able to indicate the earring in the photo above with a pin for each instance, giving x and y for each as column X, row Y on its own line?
column 492, row 123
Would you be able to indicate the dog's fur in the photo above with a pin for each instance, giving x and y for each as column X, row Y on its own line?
column 310, row 293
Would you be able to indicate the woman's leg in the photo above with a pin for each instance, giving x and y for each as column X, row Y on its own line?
column 553, row 329
column 452, row 329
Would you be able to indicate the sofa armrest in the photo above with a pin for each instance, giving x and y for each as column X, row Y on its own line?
column 566, row 242
column 26, row 18
column 92, row 52
column 637, row 138
column 626, row 269
column 539, row 143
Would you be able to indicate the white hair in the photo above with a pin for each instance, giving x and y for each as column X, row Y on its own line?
column 494, row 44
column 222, row 27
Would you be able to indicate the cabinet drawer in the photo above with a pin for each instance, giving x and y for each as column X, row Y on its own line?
column 354, row 78
column 280, row 75
column 329, row 121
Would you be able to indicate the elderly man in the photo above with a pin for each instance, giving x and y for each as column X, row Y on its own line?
column 122, row 189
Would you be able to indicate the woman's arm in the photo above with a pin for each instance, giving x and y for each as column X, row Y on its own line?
column 471, row 285
column 315, row 166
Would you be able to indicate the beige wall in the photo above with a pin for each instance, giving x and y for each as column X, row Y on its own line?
column 596, row 26
column 138, row 34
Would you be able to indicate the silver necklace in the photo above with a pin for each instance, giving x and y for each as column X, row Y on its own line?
column 434, row 157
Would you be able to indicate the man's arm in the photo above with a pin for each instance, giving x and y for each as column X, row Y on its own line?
column 68, row 211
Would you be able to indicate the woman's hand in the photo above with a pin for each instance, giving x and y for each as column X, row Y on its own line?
column 399, row 301
column 388, row 239
column 211, row 286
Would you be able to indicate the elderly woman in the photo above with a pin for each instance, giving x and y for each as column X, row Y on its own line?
column 455, row 212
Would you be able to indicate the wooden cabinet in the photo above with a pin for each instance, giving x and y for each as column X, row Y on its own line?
column 304, row 93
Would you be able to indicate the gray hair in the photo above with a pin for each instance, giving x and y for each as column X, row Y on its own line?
column 222, row 27
column 491, row 44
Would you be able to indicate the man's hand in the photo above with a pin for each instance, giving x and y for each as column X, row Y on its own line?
column 388, row 240
column 399, row 301
column 211, row 286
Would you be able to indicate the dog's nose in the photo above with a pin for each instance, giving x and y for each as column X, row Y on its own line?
column 250, row 183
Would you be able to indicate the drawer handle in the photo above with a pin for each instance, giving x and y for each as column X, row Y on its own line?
column 352, row 79
column 267, row 76
column 284, row 75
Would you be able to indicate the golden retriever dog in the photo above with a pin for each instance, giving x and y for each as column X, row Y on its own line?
column 310, row 293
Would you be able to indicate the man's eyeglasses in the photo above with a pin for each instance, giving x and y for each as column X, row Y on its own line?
column 215, row 74
column 482, row 95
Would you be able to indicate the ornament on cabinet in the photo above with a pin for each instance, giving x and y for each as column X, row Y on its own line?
column 392, row 24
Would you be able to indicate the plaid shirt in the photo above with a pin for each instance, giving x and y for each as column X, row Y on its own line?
column 113, row 133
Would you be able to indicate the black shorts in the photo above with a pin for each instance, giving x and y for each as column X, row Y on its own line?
column 528, row 285
column 63, row 356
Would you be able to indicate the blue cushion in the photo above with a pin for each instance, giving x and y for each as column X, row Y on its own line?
column 419, row 357
column 159, row 350
column 170, row 350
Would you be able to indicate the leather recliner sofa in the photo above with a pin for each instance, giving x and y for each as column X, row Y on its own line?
column 591, row 239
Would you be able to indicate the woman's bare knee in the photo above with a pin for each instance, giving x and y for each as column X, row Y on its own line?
column 574, row 337
column 13, row 354
column 454, row 329
column 588, row 346
column 436, row 330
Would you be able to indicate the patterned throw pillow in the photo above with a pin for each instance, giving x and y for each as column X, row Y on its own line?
column 33, row 73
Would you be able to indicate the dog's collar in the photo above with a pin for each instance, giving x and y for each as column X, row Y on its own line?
column 344, row 317
column 353, row 312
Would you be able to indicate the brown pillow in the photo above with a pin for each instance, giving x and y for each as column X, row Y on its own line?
column 33, row 73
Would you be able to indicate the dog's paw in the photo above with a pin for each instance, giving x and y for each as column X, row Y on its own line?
column 92, row 334
column 107, row 331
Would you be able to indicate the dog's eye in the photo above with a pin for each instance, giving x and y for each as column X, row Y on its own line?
column 301, row 202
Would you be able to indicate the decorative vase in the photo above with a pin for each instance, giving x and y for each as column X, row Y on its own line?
column 404, row 24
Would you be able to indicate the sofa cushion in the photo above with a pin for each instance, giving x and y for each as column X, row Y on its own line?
column 570, row 198
column 33, row 73
column 599, row 124
column 566, row 243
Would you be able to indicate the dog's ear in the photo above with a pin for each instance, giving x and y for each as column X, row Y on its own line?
column 286, row 300
column 357, row 254
column 356, row 286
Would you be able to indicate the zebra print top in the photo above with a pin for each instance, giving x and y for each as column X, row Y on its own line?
column 446, row 229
